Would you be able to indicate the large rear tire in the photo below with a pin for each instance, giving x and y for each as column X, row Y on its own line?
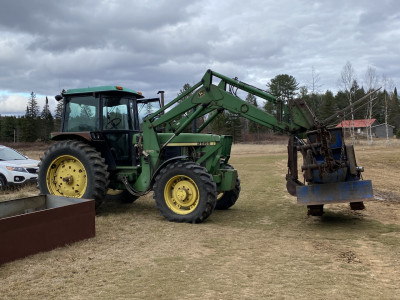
column 73, row 169
column 185, row 192
column 227, row 199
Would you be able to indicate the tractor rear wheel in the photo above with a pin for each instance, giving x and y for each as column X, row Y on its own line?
column 185, row 192
column 227, row 199
column 73, row 169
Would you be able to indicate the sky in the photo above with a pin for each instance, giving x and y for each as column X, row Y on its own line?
column 47, row 46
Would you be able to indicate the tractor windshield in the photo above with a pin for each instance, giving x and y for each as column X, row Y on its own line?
column 116, row 113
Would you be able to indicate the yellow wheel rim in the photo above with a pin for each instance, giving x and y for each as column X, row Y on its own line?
column 181, row 194
column 113, row 192
column 220, row 194
column 67, row 177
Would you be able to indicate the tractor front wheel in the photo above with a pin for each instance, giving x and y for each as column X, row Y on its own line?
column 185, row 192
column 73, row 169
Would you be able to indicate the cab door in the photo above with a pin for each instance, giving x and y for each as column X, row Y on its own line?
column 119, row 124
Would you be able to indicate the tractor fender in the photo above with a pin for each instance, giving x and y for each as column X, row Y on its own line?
column 164, row 164
column 60, row 136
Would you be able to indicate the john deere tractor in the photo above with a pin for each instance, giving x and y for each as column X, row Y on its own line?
column 113, row 139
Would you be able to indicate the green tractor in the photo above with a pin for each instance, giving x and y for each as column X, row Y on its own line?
column 113, row 139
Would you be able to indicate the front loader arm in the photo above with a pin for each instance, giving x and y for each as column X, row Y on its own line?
column 205, row 98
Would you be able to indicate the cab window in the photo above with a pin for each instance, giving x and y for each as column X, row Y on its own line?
column 116, row 114
column 81, row 114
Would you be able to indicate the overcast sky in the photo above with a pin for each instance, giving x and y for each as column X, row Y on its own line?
column 47, row 46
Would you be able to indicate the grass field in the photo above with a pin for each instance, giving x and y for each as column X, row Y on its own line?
column 263, row 247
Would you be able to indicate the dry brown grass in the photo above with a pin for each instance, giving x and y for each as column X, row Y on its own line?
column 263, row 247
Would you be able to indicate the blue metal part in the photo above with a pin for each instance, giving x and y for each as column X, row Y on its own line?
column 336, row 192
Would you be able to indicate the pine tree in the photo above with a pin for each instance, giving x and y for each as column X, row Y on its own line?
column 196, row 123
column 234, row 127
column 46, row 111
column 328, row 106
column 251, row 126
column 9, row 127
column 47, row 122
column 58, row 115
column 185, row 87
column 32, row 109
column 270, row 108
column 283, row 86
column 394, row 110
column 219, row 124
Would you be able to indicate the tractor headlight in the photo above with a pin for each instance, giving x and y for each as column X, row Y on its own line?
column 16, row 169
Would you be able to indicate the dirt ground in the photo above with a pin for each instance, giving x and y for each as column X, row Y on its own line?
column 264, row 247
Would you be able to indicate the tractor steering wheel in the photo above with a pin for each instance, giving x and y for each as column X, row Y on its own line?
column 113, row 123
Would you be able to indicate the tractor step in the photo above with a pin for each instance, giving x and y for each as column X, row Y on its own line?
column 337, row 192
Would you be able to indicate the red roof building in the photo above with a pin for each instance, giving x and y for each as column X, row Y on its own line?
column 364, row 123
column 361, row 126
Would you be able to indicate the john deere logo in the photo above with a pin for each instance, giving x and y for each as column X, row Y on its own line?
column 201, row 93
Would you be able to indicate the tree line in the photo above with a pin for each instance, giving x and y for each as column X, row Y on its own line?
column 35, row 125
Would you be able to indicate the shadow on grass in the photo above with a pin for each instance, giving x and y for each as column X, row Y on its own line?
column 139, row 207
column 341, row 218
column 352, row 221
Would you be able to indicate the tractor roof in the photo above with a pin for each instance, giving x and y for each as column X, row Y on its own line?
column 97, row 89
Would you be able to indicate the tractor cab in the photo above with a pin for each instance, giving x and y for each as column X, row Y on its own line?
column 108, row 116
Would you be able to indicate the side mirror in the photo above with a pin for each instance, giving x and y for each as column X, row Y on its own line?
column 58, row 97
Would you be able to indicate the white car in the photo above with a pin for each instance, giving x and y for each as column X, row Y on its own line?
column 16, row 168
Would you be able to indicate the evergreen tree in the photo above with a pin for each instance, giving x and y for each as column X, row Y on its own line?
column 328, row 106
column 45, row 114
column 58, row 115
column 9, row 127
column 358, row 94
column 196, row 123
column 251, row 126
column 32, row 109
column 149, row 108
column 283, row 86
column 29, row 124
column 47, row 122
column 185, row 87
column 269, row 107
column 341, row 100
column 394, row 110
column 234, row 127
column 29, row 129
column 219, row 124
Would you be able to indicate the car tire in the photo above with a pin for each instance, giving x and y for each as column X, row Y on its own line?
column 3, row 182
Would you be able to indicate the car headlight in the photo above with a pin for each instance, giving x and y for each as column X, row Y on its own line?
column 16, row 169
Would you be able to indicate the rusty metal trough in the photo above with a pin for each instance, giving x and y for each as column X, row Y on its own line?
column 41, row 223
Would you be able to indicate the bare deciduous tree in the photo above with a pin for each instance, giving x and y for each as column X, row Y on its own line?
column 314, row 85
column 371, row 82
column 347, row 78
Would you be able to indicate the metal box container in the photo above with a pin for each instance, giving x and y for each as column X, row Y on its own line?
column 41, row 223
